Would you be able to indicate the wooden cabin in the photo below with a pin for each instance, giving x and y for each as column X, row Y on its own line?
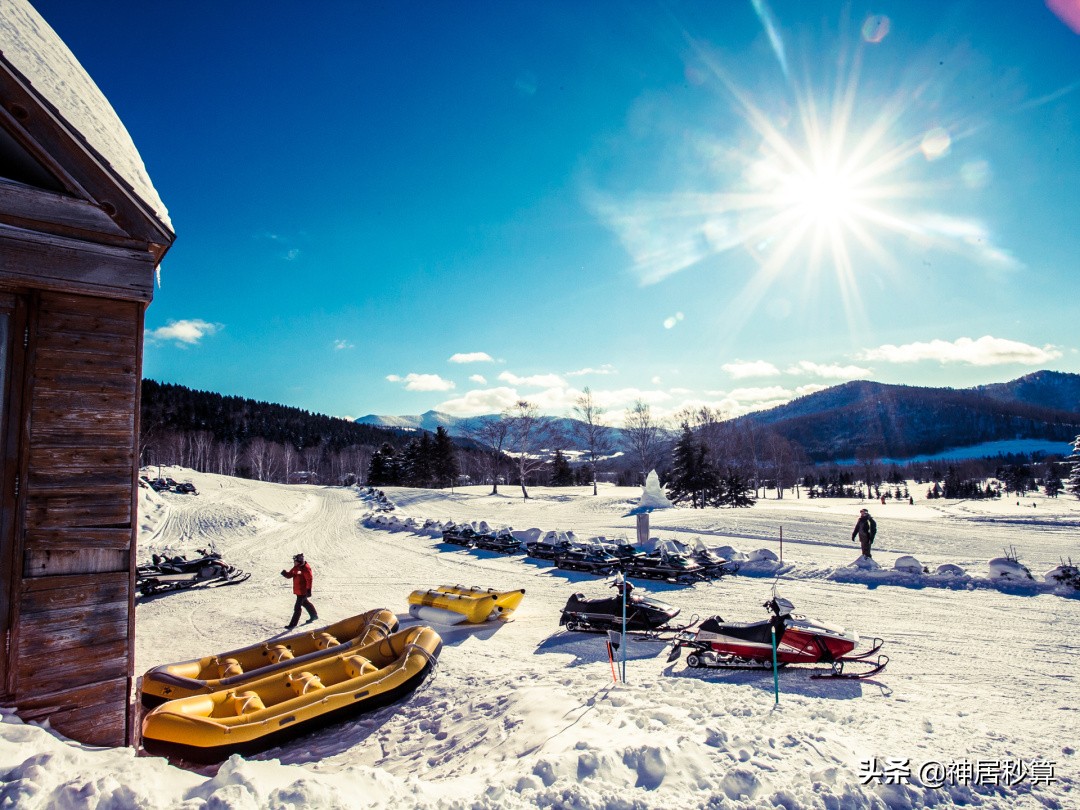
column 82, row 232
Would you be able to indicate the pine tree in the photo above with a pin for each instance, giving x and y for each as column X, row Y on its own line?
column 735, row 488
column 1074, row 476
column 682, row 485
column 693, row 477
column 561, row 473
column 444, row 463
column 416, row 462
column 385, row 469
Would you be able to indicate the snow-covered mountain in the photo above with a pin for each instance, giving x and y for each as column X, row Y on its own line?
column 429, row 420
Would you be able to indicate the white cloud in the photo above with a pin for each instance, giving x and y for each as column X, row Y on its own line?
column 480, row 379
column 769, row 394
column 750, row 368
column 972, row 233
column 480, row 401
column 811, row 388
column 607, row 368
column 339, row 345
column 184, row 332
column 422, row 382
column 986, row 351
column 534, row 381
column 471, row 357
column 829, row 372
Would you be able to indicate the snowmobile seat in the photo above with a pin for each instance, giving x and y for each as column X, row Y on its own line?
column 756, row 632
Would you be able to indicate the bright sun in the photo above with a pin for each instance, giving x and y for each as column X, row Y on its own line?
column 825, row 195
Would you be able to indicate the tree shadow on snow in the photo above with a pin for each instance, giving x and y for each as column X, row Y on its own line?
column 793, row 681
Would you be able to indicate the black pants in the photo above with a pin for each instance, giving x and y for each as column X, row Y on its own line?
column 864, row 541
column 302, row 602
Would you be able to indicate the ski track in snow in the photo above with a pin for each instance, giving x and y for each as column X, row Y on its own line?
column 522, row 714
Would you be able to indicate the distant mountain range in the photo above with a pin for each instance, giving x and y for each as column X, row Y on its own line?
column 873, row 420
column 864, row 419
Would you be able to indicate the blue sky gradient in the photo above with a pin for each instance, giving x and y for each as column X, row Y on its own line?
column 724, row 203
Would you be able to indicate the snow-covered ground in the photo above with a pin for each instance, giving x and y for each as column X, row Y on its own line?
column 982, row 678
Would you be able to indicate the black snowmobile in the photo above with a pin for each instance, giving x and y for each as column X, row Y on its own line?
column 459, row 535
column 666, row 566
column 712, row 564
column 592, row 559
column 178, row 573
column 643, row 614
column 621, row 548
column 502, row 541
column 549, row 546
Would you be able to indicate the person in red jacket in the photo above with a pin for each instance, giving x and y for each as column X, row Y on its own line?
column 301, row 586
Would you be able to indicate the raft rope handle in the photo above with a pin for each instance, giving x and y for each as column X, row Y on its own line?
column 431, row 659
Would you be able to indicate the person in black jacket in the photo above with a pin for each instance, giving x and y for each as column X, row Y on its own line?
column 865, row 529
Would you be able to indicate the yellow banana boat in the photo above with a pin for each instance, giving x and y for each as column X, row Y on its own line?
column 506, row 602
column 231, row 670
column 266, row 712
column 453, row 604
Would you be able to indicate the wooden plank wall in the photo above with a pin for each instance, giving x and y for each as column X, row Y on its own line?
column 72, row 639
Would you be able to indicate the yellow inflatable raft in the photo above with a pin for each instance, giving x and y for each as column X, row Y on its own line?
column 453, row 604
column 272, row 709
column 231, row 670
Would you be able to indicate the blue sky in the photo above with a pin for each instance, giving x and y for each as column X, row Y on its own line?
column 392, row 207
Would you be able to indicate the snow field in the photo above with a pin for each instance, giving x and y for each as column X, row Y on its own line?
column 521, row 714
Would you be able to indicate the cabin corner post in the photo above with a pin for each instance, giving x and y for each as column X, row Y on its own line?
column 132, row 732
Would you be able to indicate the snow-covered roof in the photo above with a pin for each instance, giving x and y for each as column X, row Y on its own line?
column 30, row 45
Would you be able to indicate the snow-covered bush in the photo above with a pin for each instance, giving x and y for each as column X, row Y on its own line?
column 1064, row 574
column 1008, row 567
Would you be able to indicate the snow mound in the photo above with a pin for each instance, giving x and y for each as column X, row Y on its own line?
column 908, row 564
column 729, row 553
column 762, row 555
column 949, row 570
column 864, row 563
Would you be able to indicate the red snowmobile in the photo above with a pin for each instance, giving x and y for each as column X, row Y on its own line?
column 717, row 644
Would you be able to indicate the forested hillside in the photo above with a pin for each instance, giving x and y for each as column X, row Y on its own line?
column 237, row 436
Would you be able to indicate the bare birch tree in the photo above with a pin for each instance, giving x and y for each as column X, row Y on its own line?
column 526, row 434
column 262, row 456
column 491, row 434
column 644, row 437
column 591, row 432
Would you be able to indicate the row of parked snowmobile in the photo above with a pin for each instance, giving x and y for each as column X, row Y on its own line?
column 168, row 485
column 718, row 644
column 671, row 561
column 178, row 573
